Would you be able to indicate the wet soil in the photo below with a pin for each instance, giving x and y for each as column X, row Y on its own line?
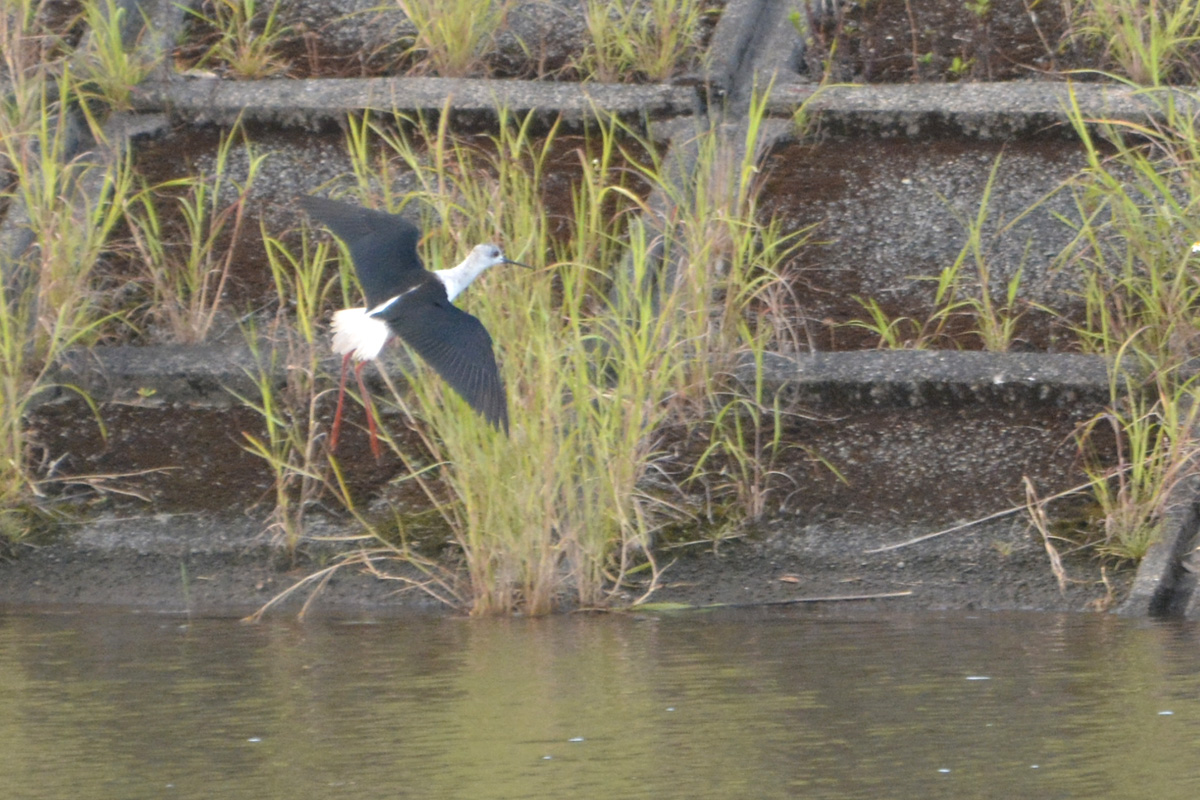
column 894, row 41
column 175, row 459
column 886, row 217
column 923, row 463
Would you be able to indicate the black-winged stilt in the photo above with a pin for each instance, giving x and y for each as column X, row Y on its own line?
column 406, row 300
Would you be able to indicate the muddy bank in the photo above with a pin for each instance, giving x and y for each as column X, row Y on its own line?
column 921, row 442
column 224, row 568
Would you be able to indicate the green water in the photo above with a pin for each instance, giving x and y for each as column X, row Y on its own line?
column 746, row 705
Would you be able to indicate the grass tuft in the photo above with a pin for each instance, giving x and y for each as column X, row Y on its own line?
column 110, row 64
column 68, row 204
column 1137, row 204
column 187, row 271
column 454, row 36
column 627, row 331
column 248, row 37
column 1152, row 42
column 646, row 40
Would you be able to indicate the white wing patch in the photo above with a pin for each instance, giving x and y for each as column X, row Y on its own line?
column 391, row 301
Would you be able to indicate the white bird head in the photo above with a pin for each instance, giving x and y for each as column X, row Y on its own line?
column 480, row 258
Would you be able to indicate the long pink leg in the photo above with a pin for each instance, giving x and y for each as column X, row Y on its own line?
column 366, row 399
column 337, row 416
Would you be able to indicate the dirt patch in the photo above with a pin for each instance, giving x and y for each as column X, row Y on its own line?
column 888, row 216
column 891, row 41
column 177, row 460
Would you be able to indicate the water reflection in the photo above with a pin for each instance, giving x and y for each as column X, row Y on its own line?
column 718, row 705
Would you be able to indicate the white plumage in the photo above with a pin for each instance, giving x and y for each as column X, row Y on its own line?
column 358, row 334
column 406, row 300
column 457, row 278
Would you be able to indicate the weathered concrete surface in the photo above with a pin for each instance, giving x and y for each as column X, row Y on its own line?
column 1166, row 578
column 976, row 110
column 918, row 377
column 322, row 102
column 200, row 376
column 205, row 564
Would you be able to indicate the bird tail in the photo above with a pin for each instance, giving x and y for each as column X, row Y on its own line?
column 358, row 333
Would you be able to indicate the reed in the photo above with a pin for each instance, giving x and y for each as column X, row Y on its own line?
column 454, row 37
column 69, row 204
column 1137, row 204
column 626, row 333
column 247, row 40
column 1157, row 449
column 647, row 40
column 291, row 408
column 1151, row 42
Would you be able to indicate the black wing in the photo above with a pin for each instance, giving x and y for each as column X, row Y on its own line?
column 383, row 246
column 455, row 344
